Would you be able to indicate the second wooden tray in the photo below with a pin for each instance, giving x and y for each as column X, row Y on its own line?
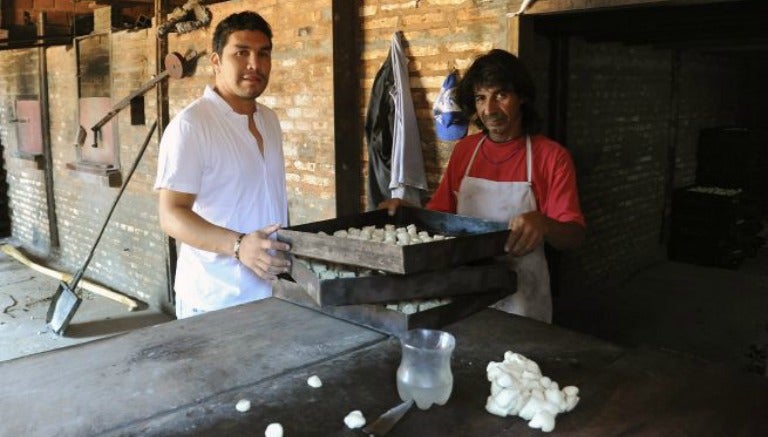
column 381, row 288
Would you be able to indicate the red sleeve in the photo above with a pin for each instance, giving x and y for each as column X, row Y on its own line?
column 562, row 197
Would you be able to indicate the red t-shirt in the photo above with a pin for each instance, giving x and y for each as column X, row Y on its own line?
column 554, row 176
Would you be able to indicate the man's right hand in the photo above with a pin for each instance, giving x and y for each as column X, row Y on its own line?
column 391, row 205
column 266, row 256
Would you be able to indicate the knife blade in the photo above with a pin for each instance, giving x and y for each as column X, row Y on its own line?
column 386, row 421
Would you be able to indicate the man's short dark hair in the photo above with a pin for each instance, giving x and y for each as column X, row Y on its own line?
column 499, row 68
column 240, row 21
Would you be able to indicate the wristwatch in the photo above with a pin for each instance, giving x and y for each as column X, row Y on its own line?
column 236, row 246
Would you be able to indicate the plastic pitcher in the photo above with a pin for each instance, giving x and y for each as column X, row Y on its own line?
column 424, row 374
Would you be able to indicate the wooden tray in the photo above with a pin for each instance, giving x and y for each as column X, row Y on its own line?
column 382, row 288
column 475, row 239
column 379, row 318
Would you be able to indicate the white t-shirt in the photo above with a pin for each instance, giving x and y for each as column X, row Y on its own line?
column 207, row 150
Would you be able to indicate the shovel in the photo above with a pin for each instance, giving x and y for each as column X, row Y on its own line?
column 65, row 301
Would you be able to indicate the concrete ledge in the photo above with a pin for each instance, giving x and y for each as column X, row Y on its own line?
column 107, row 177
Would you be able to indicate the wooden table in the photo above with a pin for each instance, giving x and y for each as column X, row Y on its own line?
column 185, row 377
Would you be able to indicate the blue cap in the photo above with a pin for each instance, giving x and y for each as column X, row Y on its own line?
column 450, row 122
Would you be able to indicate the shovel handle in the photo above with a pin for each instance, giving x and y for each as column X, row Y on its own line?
column 114, row 204
column 131, row 303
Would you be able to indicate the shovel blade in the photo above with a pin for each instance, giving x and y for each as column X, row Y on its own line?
column 62, row 309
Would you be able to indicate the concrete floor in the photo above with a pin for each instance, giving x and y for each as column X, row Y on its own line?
column 717, row 314
column 25, row 296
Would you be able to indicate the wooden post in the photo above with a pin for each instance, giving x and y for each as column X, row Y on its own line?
column 45, row 122
column 674, row 137
column 557, row 110
column 520, row 37
column 163, row 116
column 346, row 107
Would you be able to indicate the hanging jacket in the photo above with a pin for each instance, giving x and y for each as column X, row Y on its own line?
column 395, row 161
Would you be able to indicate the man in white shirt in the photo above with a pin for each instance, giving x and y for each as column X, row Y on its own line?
column 221, row 178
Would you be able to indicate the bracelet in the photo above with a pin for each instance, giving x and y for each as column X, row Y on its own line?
column 236, row 247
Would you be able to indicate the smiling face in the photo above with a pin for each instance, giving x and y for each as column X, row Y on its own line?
column 500, row 113
column 242, row 69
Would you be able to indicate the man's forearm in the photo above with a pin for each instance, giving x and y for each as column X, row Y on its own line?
column 188, row 227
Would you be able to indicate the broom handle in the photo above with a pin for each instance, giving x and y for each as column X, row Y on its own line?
column 79, row 273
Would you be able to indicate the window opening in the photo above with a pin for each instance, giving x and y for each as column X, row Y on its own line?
column 29, row 133
column 98, row 150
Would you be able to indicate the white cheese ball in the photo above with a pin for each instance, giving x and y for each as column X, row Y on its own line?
column 314, row 382
column 518, row 388
column 354, row 420
column 274, row 430
column 543, row 420
column 243, row 405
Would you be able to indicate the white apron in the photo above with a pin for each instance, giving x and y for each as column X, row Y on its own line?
column 501, row 201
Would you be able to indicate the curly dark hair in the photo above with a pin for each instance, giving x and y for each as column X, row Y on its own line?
column 499, row 68
column 246, row 20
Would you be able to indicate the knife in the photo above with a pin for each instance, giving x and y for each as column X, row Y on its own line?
column 386, row 421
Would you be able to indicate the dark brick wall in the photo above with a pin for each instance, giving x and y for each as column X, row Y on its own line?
column 715, row 90
column 94, row 66
column 618, row 118
column 629, row 107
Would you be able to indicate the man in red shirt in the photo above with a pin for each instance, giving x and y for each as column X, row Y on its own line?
column 509, row 173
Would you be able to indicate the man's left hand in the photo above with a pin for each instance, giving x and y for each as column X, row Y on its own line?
column 526, row 233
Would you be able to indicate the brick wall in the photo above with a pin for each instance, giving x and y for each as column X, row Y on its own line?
column 94, row 66
column 438, row 36
column 618, row 116
column 26, row 190
column 712, row 93
column 130, row 255
column 58, row 12
column 628, row 106
column 300, row 91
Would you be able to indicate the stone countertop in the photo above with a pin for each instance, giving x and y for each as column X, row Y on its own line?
column 185, row 377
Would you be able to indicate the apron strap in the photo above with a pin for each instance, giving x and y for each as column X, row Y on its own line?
column 529, row 158
column 472, row 159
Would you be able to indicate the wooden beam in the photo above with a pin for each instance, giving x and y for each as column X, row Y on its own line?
column 521, row 37
column 696, row 26
column 45, row 122
column 348, row 144
column 560, row 6
column 163, row 117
